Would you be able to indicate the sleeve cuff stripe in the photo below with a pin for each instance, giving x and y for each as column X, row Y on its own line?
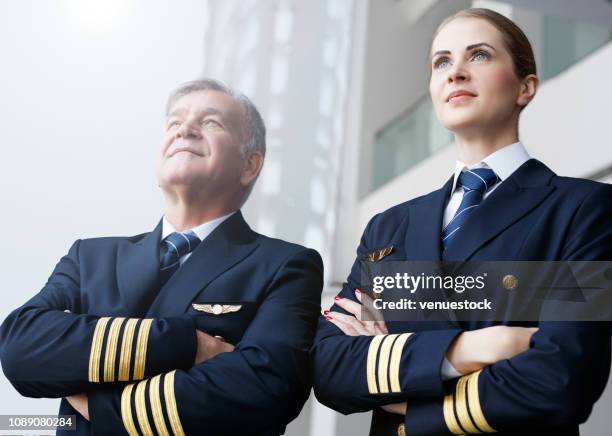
column 141, row 349
column 449, row 416
column 156, row 407
column 396, row 357
column 461, row 405
column 111, row 349
column 126, row 411
column 171, row 409
column 126, row 349
column 371, row 363
column 141, row 409
column 96, row 350
column 383, row 363
column 474, row 404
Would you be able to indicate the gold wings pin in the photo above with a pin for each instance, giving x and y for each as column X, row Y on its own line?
column 379, row 254
column 217, row 309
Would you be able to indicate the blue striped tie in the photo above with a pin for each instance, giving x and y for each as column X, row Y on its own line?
column 175, row 246
column 475, row 183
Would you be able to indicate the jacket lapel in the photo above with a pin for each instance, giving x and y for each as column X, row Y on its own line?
column 524, row 190
column 137, row 271
column 226, row 246
column 422, row 240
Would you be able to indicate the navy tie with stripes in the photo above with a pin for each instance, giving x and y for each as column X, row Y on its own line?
column 475, row 183
column 175, row 246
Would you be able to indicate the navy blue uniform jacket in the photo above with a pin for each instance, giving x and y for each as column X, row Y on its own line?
column 131, row 346
column 547, row 390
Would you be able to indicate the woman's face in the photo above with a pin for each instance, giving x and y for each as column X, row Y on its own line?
column 473, row 85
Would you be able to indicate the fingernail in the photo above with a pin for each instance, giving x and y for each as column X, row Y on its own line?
column 328, row 317
column 358, row 291
column 325, row 312
column 337, row 297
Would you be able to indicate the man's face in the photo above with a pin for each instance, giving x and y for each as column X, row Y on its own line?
column 201, row 147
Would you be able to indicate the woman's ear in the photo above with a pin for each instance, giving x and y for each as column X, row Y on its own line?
column 252, row 166
column 529, row 87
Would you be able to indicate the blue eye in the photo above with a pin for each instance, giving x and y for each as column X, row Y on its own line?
column 441, row 63
column 480, row 56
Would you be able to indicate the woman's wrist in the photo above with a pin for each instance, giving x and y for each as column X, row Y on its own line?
column 469, row 352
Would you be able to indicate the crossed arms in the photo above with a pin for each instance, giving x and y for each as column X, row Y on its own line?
column 527, row 380
column 129, row 365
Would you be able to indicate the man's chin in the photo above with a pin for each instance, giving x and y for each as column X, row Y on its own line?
column 180, row 180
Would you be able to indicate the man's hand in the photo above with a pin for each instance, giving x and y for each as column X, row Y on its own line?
column 399, row 408
column 353, row 325
column 80, row 404
column 473, row 350
column 209, row 346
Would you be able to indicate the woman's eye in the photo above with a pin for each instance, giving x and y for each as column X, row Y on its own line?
column 480, row 56
column 174, row 124
column 441, row 63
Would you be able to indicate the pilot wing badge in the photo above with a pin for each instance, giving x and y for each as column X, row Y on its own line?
column 378, row 254
column 217, row 309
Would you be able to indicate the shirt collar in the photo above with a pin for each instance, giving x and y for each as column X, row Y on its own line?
column 202, row 231
column 504, row 162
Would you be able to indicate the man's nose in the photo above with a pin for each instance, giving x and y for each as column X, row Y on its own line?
column 188, row 129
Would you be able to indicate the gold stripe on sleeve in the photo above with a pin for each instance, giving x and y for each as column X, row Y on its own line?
column 371, row 363
column 111, row 349
column 96, row 350
column 171, row 409
column 126, row 349
column 141, row 349
column 156, row 407
column 474, row 401
column 396, row 357
column 449, row 416
column 141, row 409
column 126, row 411
column 383, row 363
column 462, row 406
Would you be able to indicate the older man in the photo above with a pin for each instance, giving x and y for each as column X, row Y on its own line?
column 201, row 326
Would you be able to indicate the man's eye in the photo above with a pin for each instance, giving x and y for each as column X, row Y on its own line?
column 210, row 122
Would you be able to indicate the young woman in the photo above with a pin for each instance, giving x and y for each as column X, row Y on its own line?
column 436, row 378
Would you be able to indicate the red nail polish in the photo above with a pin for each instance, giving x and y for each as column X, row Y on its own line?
column 337, row 297
column 328, row 317
column 325, row 312
column 358, row 291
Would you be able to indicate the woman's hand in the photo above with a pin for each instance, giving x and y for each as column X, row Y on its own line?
column 353, row 325
column 473, row 350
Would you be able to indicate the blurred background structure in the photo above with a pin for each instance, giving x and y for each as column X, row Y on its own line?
column 342, row 85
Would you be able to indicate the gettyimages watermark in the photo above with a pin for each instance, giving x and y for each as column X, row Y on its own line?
column 487, row 291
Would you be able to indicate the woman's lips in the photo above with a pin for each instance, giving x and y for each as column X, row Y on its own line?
column 461, row 95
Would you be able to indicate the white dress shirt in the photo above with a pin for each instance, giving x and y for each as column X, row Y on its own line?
column 201, row 231
column 503, row 162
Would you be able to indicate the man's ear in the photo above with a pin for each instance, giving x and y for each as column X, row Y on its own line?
column 529, row 87
column 252, row 166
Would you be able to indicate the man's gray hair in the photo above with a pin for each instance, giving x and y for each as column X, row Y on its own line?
column 255, row 127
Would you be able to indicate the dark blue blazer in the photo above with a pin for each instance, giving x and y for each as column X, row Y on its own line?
column 131, row 345
column 533, row 215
